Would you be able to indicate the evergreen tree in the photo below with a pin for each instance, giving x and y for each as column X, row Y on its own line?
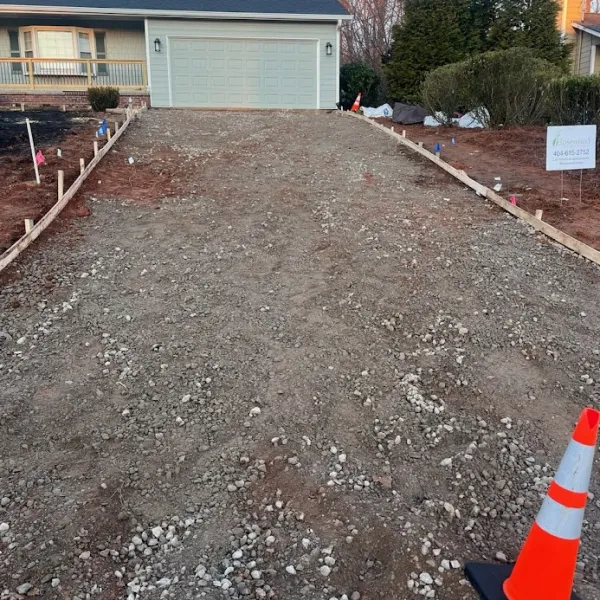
column 541, row 34
column 429, row 36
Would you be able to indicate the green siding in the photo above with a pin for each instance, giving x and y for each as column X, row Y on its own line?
column 167, row 30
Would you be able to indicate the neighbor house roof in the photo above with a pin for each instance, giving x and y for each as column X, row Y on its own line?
column 282, row 9
column 587, row 27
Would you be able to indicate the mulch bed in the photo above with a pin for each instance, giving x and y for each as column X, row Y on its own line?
column 518, row 157
column 22, row 198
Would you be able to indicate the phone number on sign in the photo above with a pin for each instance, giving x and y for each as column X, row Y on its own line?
column 578, row 152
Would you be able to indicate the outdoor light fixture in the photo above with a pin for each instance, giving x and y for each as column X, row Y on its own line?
column 329, row 49
column 156, row 45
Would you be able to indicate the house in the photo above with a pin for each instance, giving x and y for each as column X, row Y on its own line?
column 173, row 53
column 579, row 23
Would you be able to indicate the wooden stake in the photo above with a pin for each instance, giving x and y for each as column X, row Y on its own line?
column 28, row 225
column 22, row 106
column 61, row 184
column 95, row 148
column 108, row 133
column 116, row 126
column 35, row 165
column 538, row 214
column 421, row 144
column 64, row 108
column 81, row 165
column 404, row 133
column 437, row 153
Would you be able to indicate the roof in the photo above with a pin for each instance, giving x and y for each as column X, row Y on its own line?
column 590, row 28
column 282, row 9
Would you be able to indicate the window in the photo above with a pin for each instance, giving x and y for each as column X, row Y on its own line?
column 15, row 52
column 64, row 43
column 100, row 41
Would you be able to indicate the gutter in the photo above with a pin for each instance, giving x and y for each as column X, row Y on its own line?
column 190, row 14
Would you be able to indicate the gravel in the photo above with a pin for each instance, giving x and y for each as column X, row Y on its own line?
column 321, row 371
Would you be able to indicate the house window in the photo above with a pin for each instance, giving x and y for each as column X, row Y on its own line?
column 100, row 41
column 63, row 43
column 15, row 51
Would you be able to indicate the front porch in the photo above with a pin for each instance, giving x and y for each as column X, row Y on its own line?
column 55, row 60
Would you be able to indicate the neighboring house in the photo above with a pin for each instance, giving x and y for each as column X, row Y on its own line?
column 579, row 22
column 173, row 53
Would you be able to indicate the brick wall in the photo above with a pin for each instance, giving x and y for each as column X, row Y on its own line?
column 68, row 99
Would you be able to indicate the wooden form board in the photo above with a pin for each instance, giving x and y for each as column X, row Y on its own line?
column 9, row 255
column 558, row 236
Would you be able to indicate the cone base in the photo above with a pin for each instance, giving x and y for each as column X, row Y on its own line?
column 488, row 579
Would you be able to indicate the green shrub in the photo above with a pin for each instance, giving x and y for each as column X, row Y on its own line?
column 444, row 90
column 574, row 100
column 508, row 87
column 358, row 78
column 101, row 98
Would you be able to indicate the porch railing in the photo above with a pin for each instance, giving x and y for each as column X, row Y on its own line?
column 72, row 73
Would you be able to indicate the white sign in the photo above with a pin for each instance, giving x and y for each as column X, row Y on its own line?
column 571, row 147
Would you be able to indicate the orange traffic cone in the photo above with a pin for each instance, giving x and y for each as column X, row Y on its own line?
column 356, row 104
column 546, row 565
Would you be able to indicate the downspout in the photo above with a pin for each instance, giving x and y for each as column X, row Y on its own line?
column 337, row 61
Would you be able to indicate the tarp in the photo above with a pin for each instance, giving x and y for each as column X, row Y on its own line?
column 467, row 121
column 408, row 114
column 385, row 110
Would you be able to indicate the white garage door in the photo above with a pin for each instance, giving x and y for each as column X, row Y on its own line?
column 236, row 73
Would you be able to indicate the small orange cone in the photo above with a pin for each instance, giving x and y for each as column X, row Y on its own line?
column 545, row 568
column 356, row 104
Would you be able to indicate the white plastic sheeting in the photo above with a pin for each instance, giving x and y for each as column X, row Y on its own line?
column 385, row 110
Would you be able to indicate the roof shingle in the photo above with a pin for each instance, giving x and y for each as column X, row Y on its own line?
column 299, row 7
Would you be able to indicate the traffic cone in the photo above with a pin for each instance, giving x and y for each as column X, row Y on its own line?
column 546, row 565
column 356, row 104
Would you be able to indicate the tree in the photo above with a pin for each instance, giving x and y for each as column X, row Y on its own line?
column 368, row 37
column 530, row 24
column 429, row 36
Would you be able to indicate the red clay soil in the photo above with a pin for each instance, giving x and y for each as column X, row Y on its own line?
column 21, row 197
column 517, row 156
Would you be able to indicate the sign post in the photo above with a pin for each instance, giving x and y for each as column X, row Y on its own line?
column 569, row 148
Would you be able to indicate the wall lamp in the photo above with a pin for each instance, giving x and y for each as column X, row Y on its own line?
column 156, row 45
column 328, row 49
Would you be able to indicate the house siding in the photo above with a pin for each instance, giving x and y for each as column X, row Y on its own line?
column 583, row 49
column 164, row 29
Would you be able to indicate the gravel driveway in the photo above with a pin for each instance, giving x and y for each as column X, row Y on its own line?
column 318, row 369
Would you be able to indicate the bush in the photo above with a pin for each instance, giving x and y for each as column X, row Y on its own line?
column 444, row 90
column 509, row 87
column 358, row 78
column 503, row 88
column 101, row 98
column 574, row 100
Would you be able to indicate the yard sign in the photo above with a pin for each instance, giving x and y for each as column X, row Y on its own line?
column 571, row 147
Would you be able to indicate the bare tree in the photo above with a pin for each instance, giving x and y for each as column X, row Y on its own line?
column 368, row 36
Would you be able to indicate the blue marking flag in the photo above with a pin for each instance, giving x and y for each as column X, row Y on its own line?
column 103, row 128
column 453, row 142
column 438, row 148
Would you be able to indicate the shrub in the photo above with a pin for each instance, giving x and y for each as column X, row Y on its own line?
column 358, row 78
column 444, row 90
column 574, row 100
column 101, row 98
column 508, row 87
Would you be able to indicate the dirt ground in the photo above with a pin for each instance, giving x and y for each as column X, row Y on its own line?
column 518, row 157
column 72, row 132
column 284, row 359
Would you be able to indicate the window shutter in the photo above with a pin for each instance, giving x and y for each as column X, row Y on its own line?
column 100, row 39
column 15, row 51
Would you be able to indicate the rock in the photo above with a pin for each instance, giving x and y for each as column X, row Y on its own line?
column 85, row 555
column 55, row 582
column 325, row 571
column 501, row 557
column 157, row 531
column 426, row 578
column 290, row 569
column 164, row 582
column 24, row 588
column 255, row 411
column 355, row 596
column 4, row 527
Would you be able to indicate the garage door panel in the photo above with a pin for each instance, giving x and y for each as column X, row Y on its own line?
column 237, row 73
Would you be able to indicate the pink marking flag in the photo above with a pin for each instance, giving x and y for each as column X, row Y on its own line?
column 39, row 158
column 513, row 200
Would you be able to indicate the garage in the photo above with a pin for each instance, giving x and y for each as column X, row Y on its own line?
column 252, row 58
column 247, row 73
